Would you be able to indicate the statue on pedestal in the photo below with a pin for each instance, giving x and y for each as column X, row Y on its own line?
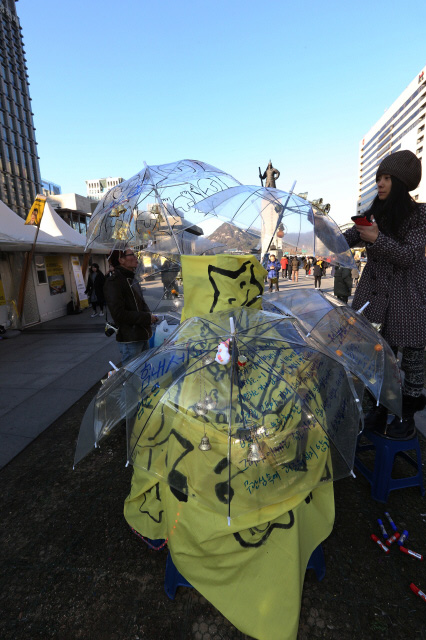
column 270, row 175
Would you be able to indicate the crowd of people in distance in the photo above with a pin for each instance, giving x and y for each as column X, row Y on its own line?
column 290, row 266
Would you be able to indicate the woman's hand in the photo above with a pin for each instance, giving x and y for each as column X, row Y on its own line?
column 368, row 234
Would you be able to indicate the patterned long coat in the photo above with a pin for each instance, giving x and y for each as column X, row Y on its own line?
column 394, row 281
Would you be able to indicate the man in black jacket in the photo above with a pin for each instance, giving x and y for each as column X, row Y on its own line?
column 128, row 308
column 342, row 283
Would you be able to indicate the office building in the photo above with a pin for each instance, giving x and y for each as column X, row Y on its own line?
column 96, row 189
column 20, row 179
column 50, row 188
column 401, row 127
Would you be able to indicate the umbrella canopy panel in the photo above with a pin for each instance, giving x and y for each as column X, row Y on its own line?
column 276, row 419
column 306, row 230
column 156, row 204
column 349, row 337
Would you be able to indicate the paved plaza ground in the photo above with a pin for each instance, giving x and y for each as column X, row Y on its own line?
column 71, row 567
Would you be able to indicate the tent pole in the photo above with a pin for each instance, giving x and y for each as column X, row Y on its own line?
column 85, row 264
column 27, row 264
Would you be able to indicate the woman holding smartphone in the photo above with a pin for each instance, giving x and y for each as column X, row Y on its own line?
column 394, row 281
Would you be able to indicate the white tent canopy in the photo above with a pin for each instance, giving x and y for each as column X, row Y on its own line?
column 54, row 234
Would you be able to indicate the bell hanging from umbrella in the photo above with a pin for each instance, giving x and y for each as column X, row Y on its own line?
column 204, row 444
column 254, row 453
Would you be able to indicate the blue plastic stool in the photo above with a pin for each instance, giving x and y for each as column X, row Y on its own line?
column 173, row 579
column 380, row 477
column 317, row 563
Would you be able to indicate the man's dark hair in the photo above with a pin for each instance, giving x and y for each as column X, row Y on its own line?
column 114, row 257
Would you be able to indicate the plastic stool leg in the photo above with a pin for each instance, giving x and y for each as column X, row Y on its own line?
column 173, row 579
column 317, row 563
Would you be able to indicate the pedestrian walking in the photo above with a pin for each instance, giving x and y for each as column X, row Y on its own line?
column 307, row 267
column 342, row 283
column 295, row 264
column 273, row 269
column 284, row 266
column 130, row 313
column 393, row 282
column 290, row 267
column 95, row 290
column 318, row 273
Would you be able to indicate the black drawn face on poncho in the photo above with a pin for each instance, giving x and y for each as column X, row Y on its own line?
column 234, row 288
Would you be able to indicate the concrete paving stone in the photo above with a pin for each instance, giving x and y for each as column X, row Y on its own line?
column 30, row 418
column 29, row 380
column 83, row 378
column 65, row 355
column 11, row 445
column 14, row 397
column 30, row 365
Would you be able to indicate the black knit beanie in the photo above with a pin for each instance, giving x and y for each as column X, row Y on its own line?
column 403, row 165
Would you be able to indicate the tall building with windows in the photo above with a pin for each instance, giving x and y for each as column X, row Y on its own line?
column 50, row 188
column 96, row 189
column 401, row 127
column 20, row 179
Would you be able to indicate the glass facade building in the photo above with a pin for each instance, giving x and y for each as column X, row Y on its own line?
column 20, row 179
column 50, row 188
column 401, row 127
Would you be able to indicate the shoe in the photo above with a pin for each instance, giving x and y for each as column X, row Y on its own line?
column 101, row 313
column 94, row 315
column 405, row 428
column 400, row 429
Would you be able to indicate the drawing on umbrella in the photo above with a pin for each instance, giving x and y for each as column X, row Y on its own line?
column 153, row 204
column 238, row 410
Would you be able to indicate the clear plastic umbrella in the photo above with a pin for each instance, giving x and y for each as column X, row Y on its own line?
column 106, row 410
column 290, row 221
column 154, row 204
column 239, row 410
column 349, row 337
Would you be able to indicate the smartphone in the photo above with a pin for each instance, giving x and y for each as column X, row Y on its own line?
column 362, row 221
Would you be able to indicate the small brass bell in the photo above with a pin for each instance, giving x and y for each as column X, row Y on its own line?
column 254, row 453
column 207, row 360
column 200, row 409
column 209, row 403
column 204, row 444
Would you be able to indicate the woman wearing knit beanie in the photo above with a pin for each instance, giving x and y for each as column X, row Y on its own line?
column 394, row 281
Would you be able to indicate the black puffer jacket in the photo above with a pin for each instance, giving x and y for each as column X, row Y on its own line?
column 342, row 281
column 128, row 308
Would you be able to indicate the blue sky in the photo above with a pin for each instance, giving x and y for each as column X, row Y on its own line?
column 230, row 82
